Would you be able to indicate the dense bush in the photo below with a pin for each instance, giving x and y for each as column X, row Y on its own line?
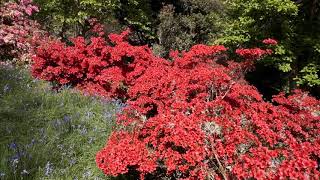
column 184, row 23
column 18, row 33
column 194, row 117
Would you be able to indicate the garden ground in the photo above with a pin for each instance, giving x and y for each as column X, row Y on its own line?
column 49, row 135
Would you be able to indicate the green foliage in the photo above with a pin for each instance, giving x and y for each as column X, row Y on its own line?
column 69, row 17
column 170, row 24
column 295, row 24
column 48, row 135
column 309, row 75
column 251, row 20
column 281, row 59
column 184, row 23
column 140, row 17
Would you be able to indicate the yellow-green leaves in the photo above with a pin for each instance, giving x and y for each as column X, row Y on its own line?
column 309, row 75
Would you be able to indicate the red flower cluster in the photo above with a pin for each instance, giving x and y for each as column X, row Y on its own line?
column 190, row 118
column 17, row 31
column 270, row 41
column 96, row 27
column 253, row 54
column 100, row 67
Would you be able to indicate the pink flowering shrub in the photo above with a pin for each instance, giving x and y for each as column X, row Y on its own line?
column 190, row 118
column 18, row 34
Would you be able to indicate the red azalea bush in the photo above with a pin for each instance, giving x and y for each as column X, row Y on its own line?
column 18, row 33
column 101, row 67
column 191, row 118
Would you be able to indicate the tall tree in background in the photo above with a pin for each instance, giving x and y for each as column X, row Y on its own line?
column 170, row 24
column 140, row 16
column 308, row 44
column 294, row 23
column 66, row 18
column 184, row 23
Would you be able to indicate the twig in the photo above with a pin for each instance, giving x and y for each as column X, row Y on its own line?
column 221, row 168
column 225, row 94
